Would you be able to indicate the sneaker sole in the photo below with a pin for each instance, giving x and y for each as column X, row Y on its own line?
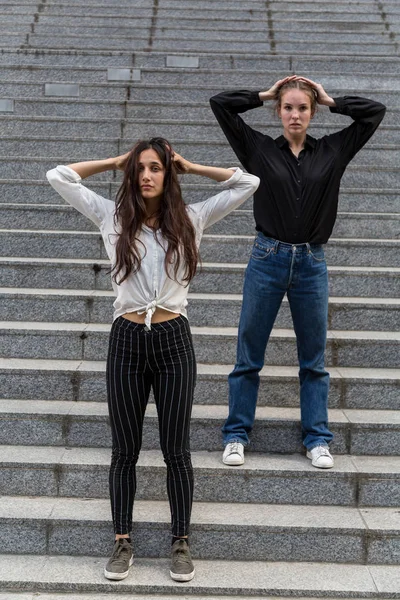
column 233, row 463
column 117, row 576
column 182, row 576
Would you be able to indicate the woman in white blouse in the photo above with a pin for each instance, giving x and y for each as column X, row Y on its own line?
column 152, row 240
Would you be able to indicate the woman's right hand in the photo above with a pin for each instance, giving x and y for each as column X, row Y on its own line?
column 272, row 92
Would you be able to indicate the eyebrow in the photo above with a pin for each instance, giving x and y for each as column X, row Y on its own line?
column 153, row 162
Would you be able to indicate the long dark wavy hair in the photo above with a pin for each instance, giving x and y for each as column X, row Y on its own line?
column 171, row 218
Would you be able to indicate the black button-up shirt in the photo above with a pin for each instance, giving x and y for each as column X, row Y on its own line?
column 297, row 199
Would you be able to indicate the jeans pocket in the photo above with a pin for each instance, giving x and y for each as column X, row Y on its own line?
column 260, row 252
column 317, row 254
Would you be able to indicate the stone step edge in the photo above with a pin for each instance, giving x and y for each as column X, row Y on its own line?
column 38, row 327
column 208, row 236
column 336, row 90
column 243, row 579
column 273, row 414
column 180, row 70
column 97, row 183
column 258, row 463
column 64, row 160
column 131, row 54
column 7, row 138
column 128, row 103
column 233, row 267
column 52, row 292
column 372, row 522
column 203, row 370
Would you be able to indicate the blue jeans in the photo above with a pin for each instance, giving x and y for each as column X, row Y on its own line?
column 300, row 271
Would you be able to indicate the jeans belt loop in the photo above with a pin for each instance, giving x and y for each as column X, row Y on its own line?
column 308, row 248
column 276, row 246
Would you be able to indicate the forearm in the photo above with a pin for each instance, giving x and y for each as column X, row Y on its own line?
column 216, row 173
column 91, row 167
column 359, row 108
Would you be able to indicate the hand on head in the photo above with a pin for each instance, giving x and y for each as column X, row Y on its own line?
column 320, row 94
column 181, row 164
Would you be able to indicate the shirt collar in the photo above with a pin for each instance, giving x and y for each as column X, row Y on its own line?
column 281, row 141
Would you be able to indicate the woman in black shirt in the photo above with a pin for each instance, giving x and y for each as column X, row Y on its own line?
column 295, row 209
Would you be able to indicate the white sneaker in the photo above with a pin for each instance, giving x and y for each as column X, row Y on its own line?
column 320, row 457
column 233, row 454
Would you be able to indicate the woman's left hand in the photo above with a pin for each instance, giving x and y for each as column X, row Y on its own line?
column 182, row 165
column 322, row 97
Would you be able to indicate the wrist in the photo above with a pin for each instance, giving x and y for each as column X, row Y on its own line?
column 265, row 96
column 329, row 102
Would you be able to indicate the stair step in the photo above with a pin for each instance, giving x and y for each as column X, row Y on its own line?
column 207, row 310
column 364, row 481
column 35, row 168
column 379, row 226
column 89, row 245
column 276, row 429
column 39, row 192
column 212, row 278
column 85, row 381
column 222, row 578
column 81, row 341
column 270, row 532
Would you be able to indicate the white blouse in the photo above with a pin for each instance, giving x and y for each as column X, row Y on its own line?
column 150, row 287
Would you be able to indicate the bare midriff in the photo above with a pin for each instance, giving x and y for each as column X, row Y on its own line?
column 159, row 316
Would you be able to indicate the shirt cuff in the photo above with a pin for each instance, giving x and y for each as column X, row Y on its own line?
column 340, row 105
column 233, row 179
column 69, row 173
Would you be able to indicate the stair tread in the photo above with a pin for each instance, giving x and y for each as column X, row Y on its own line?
column 212, row 577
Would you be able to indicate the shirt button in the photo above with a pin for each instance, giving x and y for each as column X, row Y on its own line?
column 298, row 181
column 297, row 198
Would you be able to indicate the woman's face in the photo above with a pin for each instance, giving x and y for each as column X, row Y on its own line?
column 295, row 113
column 151, row 175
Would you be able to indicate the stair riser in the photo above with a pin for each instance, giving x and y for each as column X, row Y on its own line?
column 214, row 153
column 241, row 222
column 207, row 542
column 24, row 192
column 315, row 488
column 209, row 349
column 210, row 25
column 202, row 313
column 267, row 436
column 354, row 177
column 278, row 391
column 192, row 77
column 90, row 246
column 218, row 281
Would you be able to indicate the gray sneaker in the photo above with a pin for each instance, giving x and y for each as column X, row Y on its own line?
column 182, row 568
column 121, row 559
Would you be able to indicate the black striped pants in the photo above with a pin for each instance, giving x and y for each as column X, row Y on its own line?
column 138, row 360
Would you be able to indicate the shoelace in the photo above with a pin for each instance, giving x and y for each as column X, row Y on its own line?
column 322, row 451
column 121, row 548
column 181, row 556
column 234, row 448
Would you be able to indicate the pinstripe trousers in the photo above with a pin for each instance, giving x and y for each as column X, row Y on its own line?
column 161, row 358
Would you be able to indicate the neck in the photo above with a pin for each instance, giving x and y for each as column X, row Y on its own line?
column 296, row 143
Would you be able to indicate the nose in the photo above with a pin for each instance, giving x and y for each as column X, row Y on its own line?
column 146, row 175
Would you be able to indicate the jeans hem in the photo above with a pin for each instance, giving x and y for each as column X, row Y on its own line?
column 316, row 444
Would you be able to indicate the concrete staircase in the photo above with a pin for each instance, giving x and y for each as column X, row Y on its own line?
column 85, row 79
